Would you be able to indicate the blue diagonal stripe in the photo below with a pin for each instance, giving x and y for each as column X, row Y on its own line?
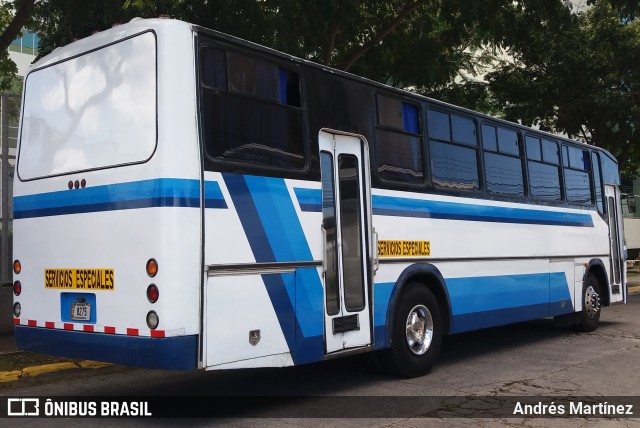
column 275, row 234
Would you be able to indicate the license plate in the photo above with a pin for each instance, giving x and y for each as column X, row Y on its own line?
column 81, row 311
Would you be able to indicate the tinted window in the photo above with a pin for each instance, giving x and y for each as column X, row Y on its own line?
column 504, row 174
column 397, row 114
column 544, row 181
column 242, row 130
column 439, row 127
column 213, row 68
column 578, row 159
column 351, row 231
column 534, row 151
column 489, row 138
column 576, row 175
column 577, row 186
column 550, row 153
column 330, row 226
column 502, row 162
column 508, row 141
column 595, row 161
column 399, row 150
column 454, row 167
column 544, row 172
column 399, row 156
column 262, row 79
column 464, row 130
column 264, row 125
column 454, row 163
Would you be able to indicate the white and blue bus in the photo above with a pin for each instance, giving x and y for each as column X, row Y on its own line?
column 188, row 200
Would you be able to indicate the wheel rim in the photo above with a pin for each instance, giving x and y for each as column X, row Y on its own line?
column 591, row 302
column 419, row 332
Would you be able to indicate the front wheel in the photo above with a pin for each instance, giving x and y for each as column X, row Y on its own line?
column 590, row 315
column 417, row 332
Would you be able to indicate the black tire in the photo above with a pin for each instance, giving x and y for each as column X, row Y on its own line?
column 589, row 318
column 409, row 356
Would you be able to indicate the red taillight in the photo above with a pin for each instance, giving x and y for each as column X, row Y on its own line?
column 17, row 266
column 17, row 288
column 152, row 267
column 153, row 293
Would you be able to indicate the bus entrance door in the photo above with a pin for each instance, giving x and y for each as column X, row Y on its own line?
column 617, row 266
column 347, row 236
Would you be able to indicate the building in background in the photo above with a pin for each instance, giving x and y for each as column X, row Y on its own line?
column 23, row 51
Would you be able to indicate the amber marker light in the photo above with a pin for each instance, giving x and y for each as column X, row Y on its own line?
column 152, row 267
column 17, row 266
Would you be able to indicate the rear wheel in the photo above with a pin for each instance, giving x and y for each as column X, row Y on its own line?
column 417, row 332
column 590, row 315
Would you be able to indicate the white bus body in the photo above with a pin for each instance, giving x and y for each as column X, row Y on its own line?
column 281, row 263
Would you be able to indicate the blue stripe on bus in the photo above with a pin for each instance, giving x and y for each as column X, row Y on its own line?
column 275, row 234
column 489, row 301
column 310, row 200
column 161, row 192
column 381, row 295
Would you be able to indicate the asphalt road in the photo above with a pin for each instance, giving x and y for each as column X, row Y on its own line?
column 492, row 369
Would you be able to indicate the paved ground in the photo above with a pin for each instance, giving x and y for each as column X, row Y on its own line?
column 489, row 370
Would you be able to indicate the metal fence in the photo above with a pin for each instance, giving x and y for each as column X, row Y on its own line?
column 9, row 113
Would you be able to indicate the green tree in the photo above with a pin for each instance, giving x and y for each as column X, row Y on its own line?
column 576, row 74
column 13, row 16
column 562, row 71
column 408, row 43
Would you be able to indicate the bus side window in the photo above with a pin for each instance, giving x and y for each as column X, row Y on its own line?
column 398, row 148
column 213, row 68
column 595, row 161
column 251, row 111
column 543, row 162
column 503, row 161
column 576, row 175
column 453, row 147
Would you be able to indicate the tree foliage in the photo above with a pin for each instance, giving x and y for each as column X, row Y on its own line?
column 409, row 43
column 13, row 16
column 551, row 67
column 576, row 74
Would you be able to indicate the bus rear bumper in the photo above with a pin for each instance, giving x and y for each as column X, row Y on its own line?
column 177, row 352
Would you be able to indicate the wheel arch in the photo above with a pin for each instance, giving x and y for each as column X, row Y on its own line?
column 598, row 269
column 428, row 275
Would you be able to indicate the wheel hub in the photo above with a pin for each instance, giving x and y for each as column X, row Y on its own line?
column 419, row 331
column 591, row 302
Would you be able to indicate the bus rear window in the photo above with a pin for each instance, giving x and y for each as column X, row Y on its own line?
column 93, row 111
